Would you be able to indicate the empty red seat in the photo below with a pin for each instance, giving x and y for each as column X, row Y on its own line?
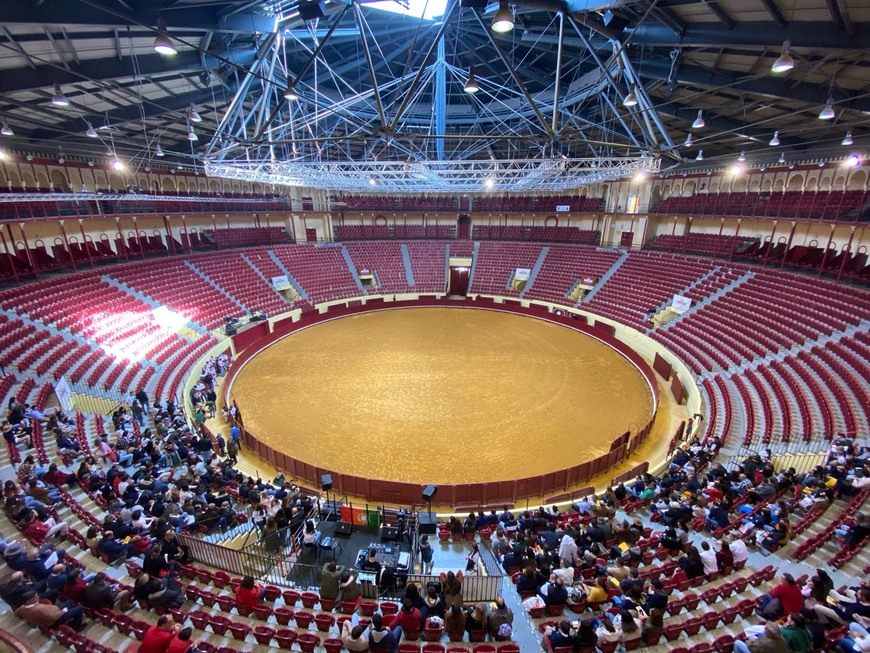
column 272, row 593
column 283, row 615
column 199, row 619
column 308, row 642
column 332, row 645
column 483, row 648
column 264, row 635
column 309, row 599
column 221, row 579
column 219, row 624
column 304, row 619
column 672, row 632
column 239, row 630
column 693, row 625
column 290, row 597
column 262, row 611
column 324, row 622
column 432, row 647
column 409, row 647
column 724, row 644
column 388, row 607
column 285, row 638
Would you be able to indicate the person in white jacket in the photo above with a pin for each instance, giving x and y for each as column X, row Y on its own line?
column 568, row 551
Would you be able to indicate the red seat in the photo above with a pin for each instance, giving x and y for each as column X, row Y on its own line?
column 239, row 631
column 724, row 644
column 728, row 615
column 483, row 648
column 262, row 611
column 556, row 610
column 308, row 642
column 283, row 615
column 435, row 648
column 199, row 619
column 349, row 607
column 244, row 610
column 672, row 632
column 608, row 647
column 221, row 579
column 272, row 593
column 219, row 624
column 226, row 602
column 456, row 636
column 632, row 644
column 367, row 607
column 711, row 620
column 290, row 597
column 285, row 638
column 304, row 619
column 477, row 636
column 507, row 648
column 309, row 599
column 324, row 622
column 691, row 601
column 207, row 598
column 264, row 635
column 702, row 647
column 412, row 635
column 388, row 607
column 409, row 647
column 328, row 605
column 652, row 637
column 332, row 645
column 693, row 626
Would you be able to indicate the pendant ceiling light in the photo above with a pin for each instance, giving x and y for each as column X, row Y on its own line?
column 162, row 43
column 699, row 121
column 471, row 83
column 503, row 21
column 785, row 62
column 828, row 112
column 775, row 140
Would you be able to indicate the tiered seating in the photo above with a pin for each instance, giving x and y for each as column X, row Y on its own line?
column 446, row 203
column 643, row 284
column 428, row 263
column 232, row 273
column 496, row 263
column 321, row 271
column 180, row 364
column 541, row 234
column 705, row 244
column 394, row 232
column 247, row 236
column 384, row 260
column 817, row 205
column 90, row 307
column 176, row 286
column 536, row 203
column 363, row 232
column 565, row 266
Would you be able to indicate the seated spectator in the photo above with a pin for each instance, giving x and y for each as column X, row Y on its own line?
column 770, row 641
column 554, row 593
column 561, row 636
column 501, row 619
column 708, row 557
column 382, row 638
column 114, row 549
column 181, row 642
column 330, row 576
column 101, row 594
column 354, row 636
column 158, row 638
column 797, row 637
column 47, row 615
column 248, row 593
column 164, row 593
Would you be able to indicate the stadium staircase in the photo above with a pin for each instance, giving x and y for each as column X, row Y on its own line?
column 211, row 282
column 409, row 272
column 350, row 266
column 536, row 268
column 257, row 271
column 605, row 278
column 746, row 276
column 474, row 258
column 299, row 289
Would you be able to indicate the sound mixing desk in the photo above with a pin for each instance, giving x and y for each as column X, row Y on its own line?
column 389, row 555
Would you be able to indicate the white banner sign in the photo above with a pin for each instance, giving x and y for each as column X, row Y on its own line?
column 563, row 208
column 522, row 274
column 281, row 282
column 681, row 303
column 64, row 394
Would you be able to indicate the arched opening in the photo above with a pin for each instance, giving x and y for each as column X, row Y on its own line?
column 59, row 181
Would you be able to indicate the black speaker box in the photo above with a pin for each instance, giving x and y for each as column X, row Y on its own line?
column 389, row 533
column 326, row 482
column 343, row 529
column 429, row 492
column 428, row 522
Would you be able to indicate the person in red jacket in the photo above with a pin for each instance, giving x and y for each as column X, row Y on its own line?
column 157, row 638
column 249, row 593
column 409, row 618
column 181, row 642
column 790, row 598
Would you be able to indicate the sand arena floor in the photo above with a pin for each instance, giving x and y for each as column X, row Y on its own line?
column 440, row 395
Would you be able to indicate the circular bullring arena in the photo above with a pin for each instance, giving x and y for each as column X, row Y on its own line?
column 448, row 395
column 575, row 292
